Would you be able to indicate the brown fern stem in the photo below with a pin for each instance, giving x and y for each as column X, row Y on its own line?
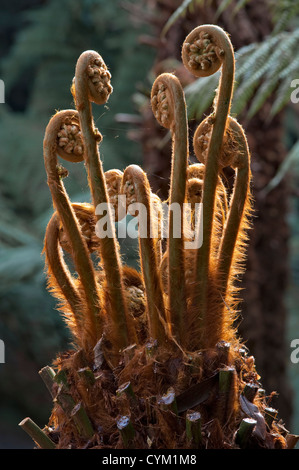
column 157, row 211
column 205, row 49
column 228, row 262
column 68, row 218
column 92, row 84
column 136, row 188
column 169, row 108
column 60, row 276
column 238, row 201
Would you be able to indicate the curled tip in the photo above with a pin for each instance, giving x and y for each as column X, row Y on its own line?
column 162, row 99
column 203, row 51
column 86, row 219
column 64, row 130
column 92, row 69
column 196, row 170
column 229, row 152
column 201, row 140
column 113, row 182
column 194, row 190
column 238, row 138
column 133, row 171
column 133, row 174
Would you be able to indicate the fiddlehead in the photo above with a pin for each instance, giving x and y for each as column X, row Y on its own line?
column 169, row 108
column 197, row 171
column 204, row 51
column 136, row 188
column 86, row 219
column 92, row 84
column 70, row 140
column 52, row 146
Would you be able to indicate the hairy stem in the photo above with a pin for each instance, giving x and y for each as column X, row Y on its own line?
column 137, row 189
column 60, row 275
column 92, row 84
column 237, row 204
column 219, row 52
column 69, row 221
column 169, row 107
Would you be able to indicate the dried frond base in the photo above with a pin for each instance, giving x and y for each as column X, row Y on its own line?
column 146, row 401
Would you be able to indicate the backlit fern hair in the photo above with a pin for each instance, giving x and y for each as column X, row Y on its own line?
column 156, row 351
column 93, row 321
column 193, row 289
column 92, row 84
column 169, row 108
column 205, row 50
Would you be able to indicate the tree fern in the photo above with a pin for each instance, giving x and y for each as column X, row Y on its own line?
column 282, row 96
column 250, row 75
column 279, row 51
column 284, row 12
column 292, row 157
column 276, row 64
column 224, row 4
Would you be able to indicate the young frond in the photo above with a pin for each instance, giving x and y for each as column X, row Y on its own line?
column 263, row 70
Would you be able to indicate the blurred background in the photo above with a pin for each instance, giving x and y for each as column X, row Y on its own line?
column 40, row 41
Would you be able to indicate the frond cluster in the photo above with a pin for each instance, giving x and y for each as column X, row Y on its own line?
column 157, row 361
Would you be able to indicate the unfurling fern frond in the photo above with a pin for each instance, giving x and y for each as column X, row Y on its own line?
column 263, row 72
column 157, row 362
